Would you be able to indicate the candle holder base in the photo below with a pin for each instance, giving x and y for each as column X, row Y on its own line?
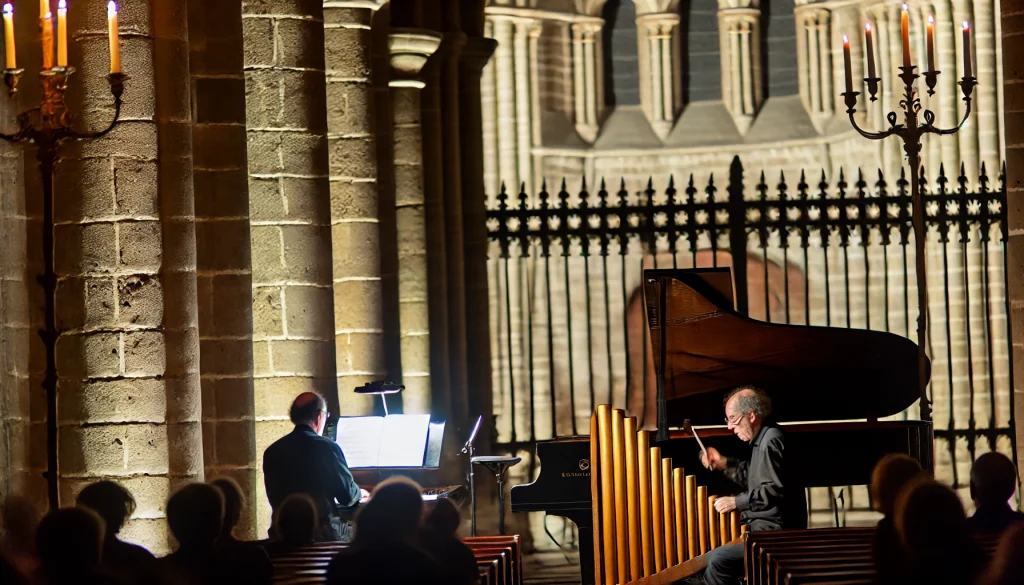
column 116, row 81
column 851, row 101
column 930, row 79
column 873, row 87
column 11, row 78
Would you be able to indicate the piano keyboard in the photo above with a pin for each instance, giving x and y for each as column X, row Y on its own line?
column 432, row 494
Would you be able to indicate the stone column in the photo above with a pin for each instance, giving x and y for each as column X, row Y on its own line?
column 224, row 269
column 505, row 93
column 355, row 241
column 987, row 92
column 478, row 337
column 657, row 39
column 815, row 62
column 742, row 91
column 286, row 127
column 586, row 37
column 128, row 359
column 524, row 97
column 410, row 49
column 489, row 103
column 1012, row 17
column 946, row 90
column 969, row 134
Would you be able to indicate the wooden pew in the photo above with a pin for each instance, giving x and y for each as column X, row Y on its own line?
column 511, row 544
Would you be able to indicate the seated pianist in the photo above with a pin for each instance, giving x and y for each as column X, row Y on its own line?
column 305, row 462
column 769, row 501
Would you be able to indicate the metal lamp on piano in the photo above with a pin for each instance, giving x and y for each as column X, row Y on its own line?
column 830, row 388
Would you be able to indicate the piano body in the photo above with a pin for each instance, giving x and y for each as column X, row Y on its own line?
column 829, row 387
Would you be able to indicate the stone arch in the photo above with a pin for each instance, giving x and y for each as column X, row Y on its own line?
column 642, row 386
column 619, row 49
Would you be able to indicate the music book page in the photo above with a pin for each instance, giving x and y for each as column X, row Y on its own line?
column 404, row 440
column 359, row 438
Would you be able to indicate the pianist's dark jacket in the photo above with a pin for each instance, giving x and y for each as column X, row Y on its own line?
column 303, row 462
column 771, row 499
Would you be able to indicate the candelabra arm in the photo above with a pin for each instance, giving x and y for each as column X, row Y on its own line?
column 117, row 118
column 946, row 131
column 894, row 129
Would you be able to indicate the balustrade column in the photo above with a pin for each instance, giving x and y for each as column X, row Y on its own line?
column 586, row 38
column 409, row 50
column 128, row 395
column 662, row 91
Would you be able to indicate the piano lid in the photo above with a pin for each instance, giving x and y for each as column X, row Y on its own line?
column 811, row 373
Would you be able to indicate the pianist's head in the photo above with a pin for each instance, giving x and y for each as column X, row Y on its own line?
column 746, row 409
column 310, row 409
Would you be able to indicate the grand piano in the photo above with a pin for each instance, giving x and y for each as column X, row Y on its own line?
column 829, row 387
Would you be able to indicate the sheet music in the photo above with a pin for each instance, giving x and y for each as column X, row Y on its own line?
column 360, row 438
column 403, row 440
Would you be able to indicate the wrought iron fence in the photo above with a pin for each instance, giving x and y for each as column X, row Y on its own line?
column 566, row 314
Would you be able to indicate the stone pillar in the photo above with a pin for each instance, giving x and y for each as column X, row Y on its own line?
column 128, row 359
column 588, row 89
column 358, row 320
column 410, row 49
column 987, row 92
column 1012, row 17
column 224, row 269
column 478, row 336
column 505, row 97
column 489, row 103
column 524, row 98
column 968, row 135
column 286, row 127
column 657, row 44
column 946, row 90
column 740, row 32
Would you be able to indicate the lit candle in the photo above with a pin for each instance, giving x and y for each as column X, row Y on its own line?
column 846, row 62
column 115, row 47
column 905, row 32
column 48, row 41
column 12, row 61
column 44, row 8
column 967, row 50
column 62, row 34
column 871, row 50
column 931, row 43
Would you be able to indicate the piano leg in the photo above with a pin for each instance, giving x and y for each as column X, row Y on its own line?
column 584, row 527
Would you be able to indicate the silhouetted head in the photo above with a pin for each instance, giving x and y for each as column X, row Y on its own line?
column 1007, row 566
column 195, row 514
column 392, row 514
column 891, row 474
column 234, row 501
column 746, row 409
column 296, row 520
column 70, row 541
column 930, row 518
column 309, row 408
column 19, row 523
column 111, row 501
column 993, row 479
column 444, row 517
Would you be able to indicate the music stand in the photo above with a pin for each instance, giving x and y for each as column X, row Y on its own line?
column 468, row 448
column 498, row 465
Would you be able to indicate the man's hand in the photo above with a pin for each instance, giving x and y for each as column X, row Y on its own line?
column 363, row 495
column 714, row 459
column 725, row 504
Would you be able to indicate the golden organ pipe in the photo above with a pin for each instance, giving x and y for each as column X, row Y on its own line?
column 723, row 529
column 734, row 524
column 643, row 447
column 702, row 517
column 669, row 511
column 595, row 470
column 712, row 523
column 679, row 496
column 632, row 501
column 604, row 433
column 743, row 529
column 657, row 509
column 619, row 485
column 692, row 528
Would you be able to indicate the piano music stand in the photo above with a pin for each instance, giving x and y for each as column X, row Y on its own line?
column 498, row 464
column 468, row 448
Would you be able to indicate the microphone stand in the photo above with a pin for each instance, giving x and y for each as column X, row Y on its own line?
column 468, row 448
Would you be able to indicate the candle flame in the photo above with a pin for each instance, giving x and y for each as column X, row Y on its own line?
column 931, row 19
column 8, row 9
column 111, row 9
column 867, row 26
column 62, row 5
column 846, row 40
column 906, row 8
column 967, row 25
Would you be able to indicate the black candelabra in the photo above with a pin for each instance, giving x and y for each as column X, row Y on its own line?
column 47, row 126
column 910, row 132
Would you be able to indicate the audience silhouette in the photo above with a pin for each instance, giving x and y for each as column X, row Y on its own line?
column 1007, row 566
column 249, row 555
column 115, row 505
column 993, row 481
column 18, row 547
column 195, row 515
column 439, row 539
column 892, row 473
column 385, row 550
column 70, row 545
column 295, row 524
column 933, row 529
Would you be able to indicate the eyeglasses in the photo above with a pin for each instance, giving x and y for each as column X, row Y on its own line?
column 732, row 420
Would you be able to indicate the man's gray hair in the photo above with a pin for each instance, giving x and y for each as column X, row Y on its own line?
column 751, row 399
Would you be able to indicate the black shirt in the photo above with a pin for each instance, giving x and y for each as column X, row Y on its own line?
column 303, row 462
column 770, row 501
column 393, row 563
column 993, row 520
